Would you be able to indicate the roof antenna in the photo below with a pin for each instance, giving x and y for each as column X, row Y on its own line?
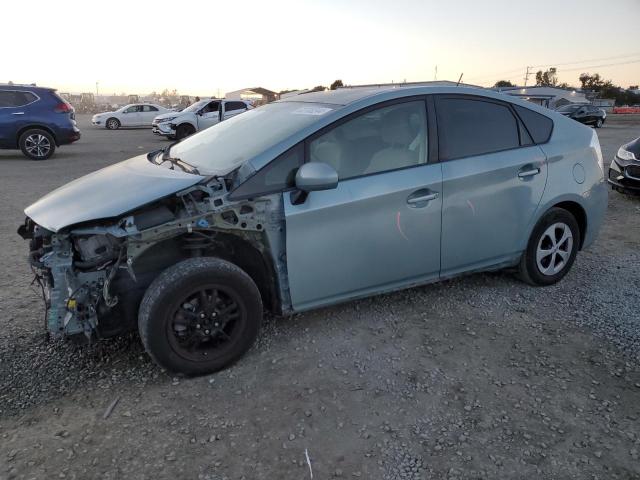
column 459, row 79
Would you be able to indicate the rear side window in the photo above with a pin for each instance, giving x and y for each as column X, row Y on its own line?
column 469, row 127
column 229, row 106
column 14, row 98
column 149, row 108
column 280, row 174
column 538, row 125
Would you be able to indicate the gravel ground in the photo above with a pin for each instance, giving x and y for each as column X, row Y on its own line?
column 478, row 377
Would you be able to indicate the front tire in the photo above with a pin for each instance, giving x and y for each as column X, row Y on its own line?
column 551, row 250
column 599, row 123
column 199, row 316
column 112, row 124
column 37, row 144
column 184, row 130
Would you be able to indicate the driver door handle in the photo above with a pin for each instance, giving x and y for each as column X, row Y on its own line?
column 17, row 113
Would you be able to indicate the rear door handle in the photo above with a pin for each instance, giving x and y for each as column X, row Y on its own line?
column 17, row 113
column 528, row 173
column 422, row 198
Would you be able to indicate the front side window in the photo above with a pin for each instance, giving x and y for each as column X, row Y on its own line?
column 211, row 107
column 133, row 109
column 387, row 138
column 474, row 127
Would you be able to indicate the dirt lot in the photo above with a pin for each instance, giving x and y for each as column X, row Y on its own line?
column 480, row 377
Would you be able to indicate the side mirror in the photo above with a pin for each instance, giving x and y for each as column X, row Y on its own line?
column 314, row 176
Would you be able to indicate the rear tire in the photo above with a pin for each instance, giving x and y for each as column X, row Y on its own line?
column 112, row 124
column 199, row 316
column 184, row 130
column 37, row 144
column 551, row 250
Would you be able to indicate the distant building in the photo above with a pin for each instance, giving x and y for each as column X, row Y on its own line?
column 550, row 97
column 257, row 95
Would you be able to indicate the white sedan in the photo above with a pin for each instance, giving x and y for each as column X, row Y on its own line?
column 132, row 115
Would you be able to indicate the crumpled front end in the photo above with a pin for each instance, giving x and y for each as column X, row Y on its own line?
column 75, row 273
column 94, row 274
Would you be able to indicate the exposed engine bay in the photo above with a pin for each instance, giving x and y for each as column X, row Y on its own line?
column 93, row 275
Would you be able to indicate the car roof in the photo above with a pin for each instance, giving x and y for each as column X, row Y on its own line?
column 23, row 87
column 351, row 95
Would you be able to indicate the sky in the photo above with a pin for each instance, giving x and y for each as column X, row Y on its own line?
column 209, row 47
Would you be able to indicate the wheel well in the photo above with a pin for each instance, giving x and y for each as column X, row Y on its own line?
column 579, row 214
column 36, row 127
column 230, row 247
column 186, row 124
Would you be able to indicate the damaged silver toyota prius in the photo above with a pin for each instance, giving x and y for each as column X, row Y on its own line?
column 311, row 201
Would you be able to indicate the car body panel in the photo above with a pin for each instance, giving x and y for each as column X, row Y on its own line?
column 363, row 237
column 137, row 118
column 355, row 240
column 38, row 114
column 92, row 197
column 624, row 173
column 488, row 207
column 166, row 124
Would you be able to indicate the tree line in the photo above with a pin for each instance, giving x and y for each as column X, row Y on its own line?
column 591, row 82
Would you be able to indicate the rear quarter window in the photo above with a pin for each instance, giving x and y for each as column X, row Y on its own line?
column 15, row 98
column 539, row 126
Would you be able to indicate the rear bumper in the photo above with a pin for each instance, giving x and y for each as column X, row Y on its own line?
column 625, row 175
column 68, row 135
column 596, row 202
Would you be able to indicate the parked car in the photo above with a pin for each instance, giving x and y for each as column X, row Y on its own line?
column 35, row 120
column 132, row 115
column 624, row 170
column 307, row 202
column 587, row 114
column 198, row 116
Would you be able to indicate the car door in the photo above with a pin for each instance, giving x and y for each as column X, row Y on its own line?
column 209, row 115
column 231, row 109
column 131, row 116
column 16, row 111
column 493, row 177
column 9, row 119
column 149, row 112
column 380, row 228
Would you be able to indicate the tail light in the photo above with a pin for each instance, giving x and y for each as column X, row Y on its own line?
column 63, row 107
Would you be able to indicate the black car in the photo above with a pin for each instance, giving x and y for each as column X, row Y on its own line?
column 587, row 114
column 35, row 120
column 624, row 171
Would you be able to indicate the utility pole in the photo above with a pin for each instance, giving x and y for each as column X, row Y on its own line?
column 97, row 91
column 435, row 75
column 526, row 76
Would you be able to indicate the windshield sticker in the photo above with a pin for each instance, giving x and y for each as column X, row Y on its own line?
column 311, row 111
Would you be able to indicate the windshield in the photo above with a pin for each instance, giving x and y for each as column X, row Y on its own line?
column 194, row 107
column 223, row 147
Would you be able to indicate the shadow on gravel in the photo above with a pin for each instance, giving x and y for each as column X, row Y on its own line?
column 36, row 371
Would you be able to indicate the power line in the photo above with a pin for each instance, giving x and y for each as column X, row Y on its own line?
column 484, row 78
column 600, row 66
column 585, row 61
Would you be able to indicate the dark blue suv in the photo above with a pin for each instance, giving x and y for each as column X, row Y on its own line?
column 36, row 120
